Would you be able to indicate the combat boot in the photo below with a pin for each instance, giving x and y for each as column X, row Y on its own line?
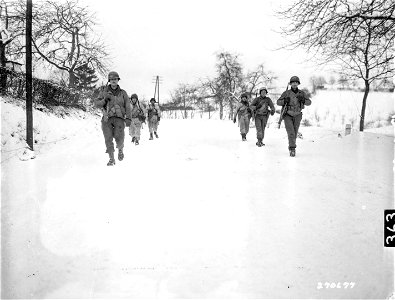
column 292, row 152
column 111, row 162
column 136, row 142
column 151, row 136
column 156, row 135
column 120, row 155
column 133, row 139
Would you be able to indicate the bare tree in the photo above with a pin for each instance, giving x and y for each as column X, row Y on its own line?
column 185, row 95
column 258, row 78
column 213, row 88
column 12, row 27
column 64, row 38
column 357, row 35
column 230, row 76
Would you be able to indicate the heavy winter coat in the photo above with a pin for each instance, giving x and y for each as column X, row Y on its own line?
column 260, row 105
column 295, row 104
column 243, row 111
column 137, row 110
column 115, row 103
column 153, row 110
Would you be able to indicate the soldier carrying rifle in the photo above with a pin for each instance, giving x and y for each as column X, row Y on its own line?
column 293, row 101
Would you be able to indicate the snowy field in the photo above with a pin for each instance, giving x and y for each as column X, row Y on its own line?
column 194, row 214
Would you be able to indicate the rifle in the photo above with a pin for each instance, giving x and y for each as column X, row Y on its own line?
column 283, row 111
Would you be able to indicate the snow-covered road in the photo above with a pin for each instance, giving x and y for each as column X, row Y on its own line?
column 198, row 213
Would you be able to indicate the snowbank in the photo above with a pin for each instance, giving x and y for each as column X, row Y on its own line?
column 49, row 127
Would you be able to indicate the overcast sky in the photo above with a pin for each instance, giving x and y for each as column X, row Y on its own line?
column 178, row 40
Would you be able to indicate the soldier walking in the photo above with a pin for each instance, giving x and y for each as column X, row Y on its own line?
column 153, row 118
column 138, row 117
column 294, row 101
column 260, row 108
column 244, row 115
column 116, row 113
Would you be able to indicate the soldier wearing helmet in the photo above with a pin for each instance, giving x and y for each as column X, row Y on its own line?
column 138, row 117
column 117, row 112
column 154, row 114
column 260, row 107
column 294, row 100
column 244, row 115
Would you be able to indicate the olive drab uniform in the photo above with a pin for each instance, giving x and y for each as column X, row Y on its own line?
column 154, row 115
column 295, row 100
column 138, row 117
column 116, row 110
column 260, row 107
column 244, row 114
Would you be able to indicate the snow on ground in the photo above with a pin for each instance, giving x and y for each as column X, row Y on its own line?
column 336, row 108
column 198, row 213
column 50, row 126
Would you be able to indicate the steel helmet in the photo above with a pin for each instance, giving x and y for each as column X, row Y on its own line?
column 134, row 96
column 294, row 79
column 113, row 74
column 263, row 89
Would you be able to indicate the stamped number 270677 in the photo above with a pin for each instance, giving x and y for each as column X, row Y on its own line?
column 335, row 285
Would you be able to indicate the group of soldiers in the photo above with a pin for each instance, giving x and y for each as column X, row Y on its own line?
column 120, row 111
column 292, row 101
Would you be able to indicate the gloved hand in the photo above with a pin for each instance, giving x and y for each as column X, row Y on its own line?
column 286, row 100
column 234, row 120
column 301, row 99
column 128, row 122
column 272, row 112
column 108, row 97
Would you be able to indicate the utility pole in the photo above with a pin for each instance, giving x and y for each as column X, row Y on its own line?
column 29, row 89
column 158, row 79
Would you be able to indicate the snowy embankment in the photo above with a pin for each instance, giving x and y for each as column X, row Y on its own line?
column 198, row 213
column 50, row 126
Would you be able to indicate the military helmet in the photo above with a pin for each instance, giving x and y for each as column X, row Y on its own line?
column 263, row 89
column 294, row 79
column 113, row 74
column 134, row 96
column 152, row 100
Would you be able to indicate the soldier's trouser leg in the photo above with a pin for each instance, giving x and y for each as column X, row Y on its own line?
column 258, row 126
column 242, row 125
column 292, row 127
column 153, row 124
column 150, row 126
column 247, row 122
column 119, row 132
column 108, row 132
column 135, row 128
column 264, row 122
column 138, row 129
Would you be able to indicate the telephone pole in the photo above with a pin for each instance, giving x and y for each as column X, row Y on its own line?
column 158, row 79
column 29, row 89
